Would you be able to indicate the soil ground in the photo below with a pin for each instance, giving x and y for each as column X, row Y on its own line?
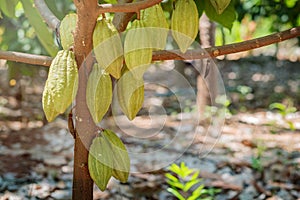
column 252, row 154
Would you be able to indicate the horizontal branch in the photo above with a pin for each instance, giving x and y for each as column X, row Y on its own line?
column 46, row 14
column 227, row 49
column 176, row 54
column 127, row 7
column 26, row 58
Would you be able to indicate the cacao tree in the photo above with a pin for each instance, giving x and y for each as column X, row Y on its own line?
column 94, row 55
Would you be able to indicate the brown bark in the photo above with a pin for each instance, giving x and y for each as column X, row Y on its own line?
column 206, row 80
column 85, row 127
column 121, row 20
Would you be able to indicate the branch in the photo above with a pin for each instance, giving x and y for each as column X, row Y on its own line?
column 26, row 58
column 127, row 7
column 121, row 19
column 176, row 54
column 229, row 48
column 46, row 14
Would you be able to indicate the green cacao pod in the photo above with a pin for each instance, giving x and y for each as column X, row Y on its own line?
column 48, row 105
column 130, row 93
column 100, row 162
column 220, row 5
column 121, row 161
column 108, row 47
column 98, row 93
column 67, row 29
column 158, row 26
column 185, row 23
column 137, row 49
column 62, row 83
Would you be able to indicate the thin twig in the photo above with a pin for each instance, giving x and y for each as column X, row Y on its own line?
column 229, row 48
column 127, row 7
column 176, row 54
column 26, row 58
column 46, row 14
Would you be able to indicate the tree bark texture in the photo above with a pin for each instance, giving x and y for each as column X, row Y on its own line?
column 84, row 125
column 206, row 81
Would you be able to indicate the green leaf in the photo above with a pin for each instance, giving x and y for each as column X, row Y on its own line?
column 44, row 35
column 226, row 19
column 1, row 15
column 278, row 106
column 291, row 110
column 200, row 7
column 175, row 168
column 197, row 193
column 190, row 184
column 8, row 7
column 175, row 184
column 175, row 193
column 220, row 5
column 171, row 177
column 195, row 175
column 291, row 125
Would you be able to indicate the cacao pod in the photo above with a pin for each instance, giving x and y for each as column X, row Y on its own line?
column 66, row 30
column 108, row 47
column 121, row 161
column 48, row 105
column 100, row 162
column 62, row 83
column 137, row 49
column 130, row 93
column 98, row 93
column 158, row 26
column 220, row 5
column 185, row 23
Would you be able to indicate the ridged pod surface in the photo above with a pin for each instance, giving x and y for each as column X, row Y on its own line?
column 185, row 23
column 156, row 21
column 137, row 49
column 130, row 93
column 121, row 161
column 61, row 85
column 108, row 47
column 220, row 5
column 100, row 162
column 48, row 105
column 98, row 93
column 66, row 30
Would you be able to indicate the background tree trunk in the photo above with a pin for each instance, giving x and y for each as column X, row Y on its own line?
column 207, row 79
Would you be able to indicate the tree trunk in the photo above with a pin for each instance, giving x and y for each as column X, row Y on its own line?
column 84, row 125
column 206, row 80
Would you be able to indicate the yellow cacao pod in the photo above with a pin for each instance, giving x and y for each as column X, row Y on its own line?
column 98, row 93
column 157, row 26
column 62, row 83
column 130, row 92
column 48, row 105
column 121, row 161
column 100, row 162
column 137, row 49
column 220, row 5
column 108, row 47
column 66, row 30
column 185, row 23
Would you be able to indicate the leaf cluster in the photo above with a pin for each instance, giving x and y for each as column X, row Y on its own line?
column 185, row 183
